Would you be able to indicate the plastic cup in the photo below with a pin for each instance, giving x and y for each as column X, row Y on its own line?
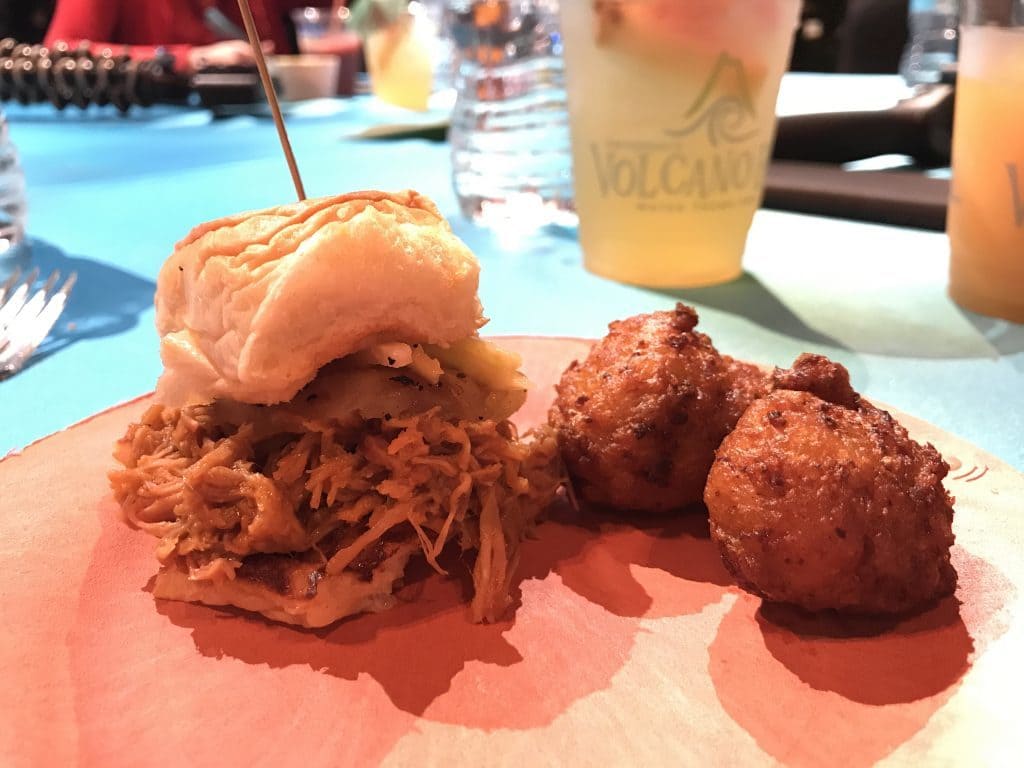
column 306, row 76
column 324, row 31
column 672, row 116
column 986, row 204
column 400, row 59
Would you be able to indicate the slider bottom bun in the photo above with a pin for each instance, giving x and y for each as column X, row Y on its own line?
column 290, row 591
column 308, row 511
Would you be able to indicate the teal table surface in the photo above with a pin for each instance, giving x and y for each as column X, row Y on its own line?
column 109, row 197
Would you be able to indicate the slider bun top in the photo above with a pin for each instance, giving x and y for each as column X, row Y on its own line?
column 250, row 306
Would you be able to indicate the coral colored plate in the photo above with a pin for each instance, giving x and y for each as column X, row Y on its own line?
column 630, row 646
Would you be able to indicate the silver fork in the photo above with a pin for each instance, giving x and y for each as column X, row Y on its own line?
column 26, row 317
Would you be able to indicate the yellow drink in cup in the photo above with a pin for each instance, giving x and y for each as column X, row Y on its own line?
column 399, row 63
column 986, row 205
column 672, row 114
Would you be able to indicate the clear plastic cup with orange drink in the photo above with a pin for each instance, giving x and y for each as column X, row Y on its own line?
column 986, row 206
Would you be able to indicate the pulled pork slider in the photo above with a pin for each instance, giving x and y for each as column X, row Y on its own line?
column 327, row 412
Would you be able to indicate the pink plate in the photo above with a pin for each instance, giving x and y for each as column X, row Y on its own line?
column 629, row 646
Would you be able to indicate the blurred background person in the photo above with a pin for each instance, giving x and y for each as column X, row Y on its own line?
column 197, row 33
column 865, row 36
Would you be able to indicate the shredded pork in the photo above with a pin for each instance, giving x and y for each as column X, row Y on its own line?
column 215, row 492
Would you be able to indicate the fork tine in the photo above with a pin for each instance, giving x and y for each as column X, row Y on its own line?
column 35, row 304
column 49, row 314
column 69, row 284
column 51, row 281
column 54, row 307
column 6, row 287
column 13, row 305
column 32, row 334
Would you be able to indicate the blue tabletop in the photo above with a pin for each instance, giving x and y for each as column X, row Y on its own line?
column 109, row 197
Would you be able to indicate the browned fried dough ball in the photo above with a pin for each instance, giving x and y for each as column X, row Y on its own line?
column 819, row 499
column 639, row 419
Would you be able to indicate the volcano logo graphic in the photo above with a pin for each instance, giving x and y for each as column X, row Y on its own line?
column 723, row 108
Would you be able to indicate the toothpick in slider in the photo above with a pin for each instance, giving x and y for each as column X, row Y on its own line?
column 268, row 88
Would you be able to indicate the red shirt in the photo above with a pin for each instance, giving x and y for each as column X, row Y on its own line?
column 139, row 27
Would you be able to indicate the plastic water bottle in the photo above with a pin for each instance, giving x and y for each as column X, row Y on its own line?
column 13, row 208
column 932, row 41
column 509, row 134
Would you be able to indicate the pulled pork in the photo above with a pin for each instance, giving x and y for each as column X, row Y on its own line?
column 215, row 491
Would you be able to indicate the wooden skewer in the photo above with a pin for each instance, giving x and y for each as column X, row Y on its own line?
column 268, row 88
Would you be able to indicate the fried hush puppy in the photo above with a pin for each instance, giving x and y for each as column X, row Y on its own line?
column 821, row 500
column 638, row 421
